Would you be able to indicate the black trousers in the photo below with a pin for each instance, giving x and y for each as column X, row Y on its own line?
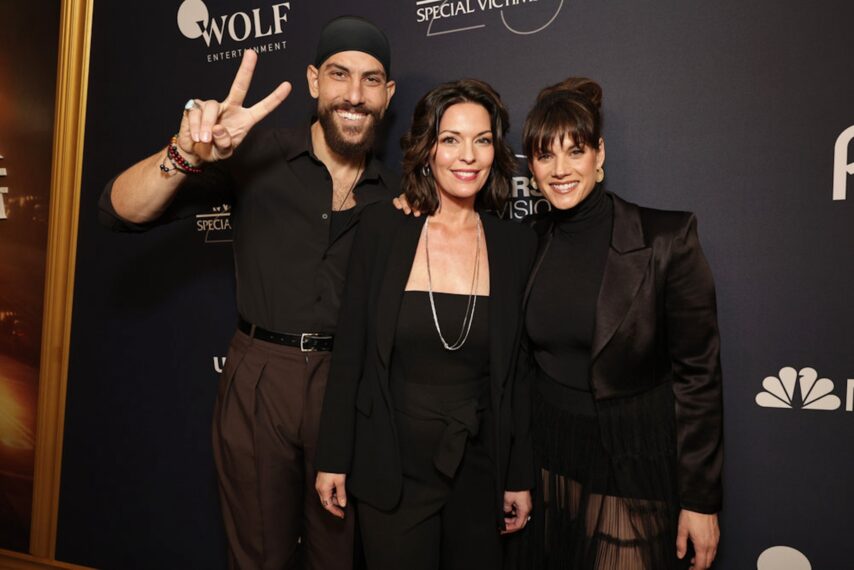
column 264, row 434
column 440, row 522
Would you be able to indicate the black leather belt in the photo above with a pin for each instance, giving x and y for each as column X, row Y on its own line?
column 306, row 342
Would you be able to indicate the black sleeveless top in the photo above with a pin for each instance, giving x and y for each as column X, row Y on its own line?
column 429, row 382
column 418, row 354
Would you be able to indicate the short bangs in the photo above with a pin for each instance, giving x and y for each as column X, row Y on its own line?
column 558, row 116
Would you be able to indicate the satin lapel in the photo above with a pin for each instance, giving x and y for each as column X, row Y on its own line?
column 398, row 267
column 502, row 308
column 627, row 264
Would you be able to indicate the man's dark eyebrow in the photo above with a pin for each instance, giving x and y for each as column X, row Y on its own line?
column 340, row 67
column 379, row 72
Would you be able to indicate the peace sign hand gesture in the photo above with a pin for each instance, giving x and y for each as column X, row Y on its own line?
column 211, row 130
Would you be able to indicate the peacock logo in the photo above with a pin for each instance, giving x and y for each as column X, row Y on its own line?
column 798, row 389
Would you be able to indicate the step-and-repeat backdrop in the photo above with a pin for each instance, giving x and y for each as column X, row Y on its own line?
column 742, row 112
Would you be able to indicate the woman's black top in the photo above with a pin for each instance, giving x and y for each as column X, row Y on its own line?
column 418, row 355
column 447, row 388
column 561, row 312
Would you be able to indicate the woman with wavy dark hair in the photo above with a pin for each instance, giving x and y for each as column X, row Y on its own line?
column 623, row 349
column 423, row 421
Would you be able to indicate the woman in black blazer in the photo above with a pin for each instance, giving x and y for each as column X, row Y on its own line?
column 422, row 419
column 623, row 348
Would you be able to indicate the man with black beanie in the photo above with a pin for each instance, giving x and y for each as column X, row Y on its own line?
column 296, row 195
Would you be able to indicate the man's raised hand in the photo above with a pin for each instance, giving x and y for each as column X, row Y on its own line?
column 211, row 130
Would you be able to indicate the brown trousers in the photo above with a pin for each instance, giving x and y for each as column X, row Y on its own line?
column 264, row 434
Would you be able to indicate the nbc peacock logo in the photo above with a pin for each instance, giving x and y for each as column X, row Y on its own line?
column 801, row 389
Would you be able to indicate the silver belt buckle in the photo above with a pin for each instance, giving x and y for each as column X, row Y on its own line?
column 302, row 338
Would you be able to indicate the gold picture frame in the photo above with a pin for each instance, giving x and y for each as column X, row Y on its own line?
column 71, row 89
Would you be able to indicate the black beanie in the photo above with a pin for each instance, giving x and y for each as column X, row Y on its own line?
column 351, row 33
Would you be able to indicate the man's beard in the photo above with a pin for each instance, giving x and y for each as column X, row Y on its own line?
column 336, row 139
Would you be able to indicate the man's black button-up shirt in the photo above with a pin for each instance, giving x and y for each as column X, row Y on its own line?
column 289, row 260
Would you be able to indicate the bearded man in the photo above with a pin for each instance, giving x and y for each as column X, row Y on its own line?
column 296, row 195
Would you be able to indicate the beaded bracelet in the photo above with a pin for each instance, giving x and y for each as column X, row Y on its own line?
column 166, row 169
column 179, row 163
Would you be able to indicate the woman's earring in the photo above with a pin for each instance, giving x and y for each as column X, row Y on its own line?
column 425, row 170
column 600, row 174
column 534, row 183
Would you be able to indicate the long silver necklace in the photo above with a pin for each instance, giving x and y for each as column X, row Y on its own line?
column 468, row 317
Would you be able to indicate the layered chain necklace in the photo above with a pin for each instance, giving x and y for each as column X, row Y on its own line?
column 468, row 317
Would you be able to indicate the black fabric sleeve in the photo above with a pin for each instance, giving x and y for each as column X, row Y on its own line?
column 521, row 472
column 336, row 433
column 694, row 346
column 198, row 194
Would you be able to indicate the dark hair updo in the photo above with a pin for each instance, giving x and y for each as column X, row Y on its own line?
column 421, row 138
column 569, row 108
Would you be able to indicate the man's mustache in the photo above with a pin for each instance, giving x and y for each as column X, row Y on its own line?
column 359, row 108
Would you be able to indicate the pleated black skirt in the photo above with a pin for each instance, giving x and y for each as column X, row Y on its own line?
column 607, row 497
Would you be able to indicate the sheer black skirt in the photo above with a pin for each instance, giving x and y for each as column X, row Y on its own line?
column 607, row 497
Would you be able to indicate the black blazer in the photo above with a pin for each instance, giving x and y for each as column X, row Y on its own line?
column 357, row 429
column 656, row 322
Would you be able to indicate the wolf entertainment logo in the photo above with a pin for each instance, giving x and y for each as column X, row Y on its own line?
column 195, row 21
column 522, row 17
column 842, row 169
column 813, row 393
